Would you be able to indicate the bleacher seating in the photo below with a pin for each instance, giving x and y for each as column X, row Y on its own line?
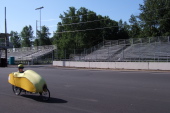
column 118, row 50
column 104, row 52
column 157, row 50
column 29, row 53
column 101, row 53
column 149, row 49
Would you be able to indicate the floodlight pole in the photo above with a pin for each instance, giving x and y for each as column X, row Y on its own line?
column 36, row 29
column 40, row 15
column 5, row 38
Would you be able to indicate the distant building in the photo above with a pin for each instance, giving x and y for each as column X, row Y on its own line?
column 4, row 45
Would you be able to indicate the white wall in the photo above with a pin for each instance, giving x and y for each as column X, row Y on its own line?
column 132, row 65
column 159, row 66
column 115, row 65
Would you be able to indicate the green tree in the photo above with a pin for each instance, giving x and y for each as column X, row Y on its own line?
column 27, row 36
column 36, row 42
column 15, row 39
column 43, row 37
column 109, row 28
column 135, row 28
column 155, row 17
column 83, row 28
column 123, row 30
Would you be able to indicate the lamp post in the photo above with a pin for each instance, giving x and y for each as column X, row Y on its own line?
column 40, row 15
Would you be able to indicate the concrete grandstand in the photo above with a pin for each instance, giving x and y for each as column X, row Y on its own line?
column 144, row 49
column 28, row 54
column 140, row 49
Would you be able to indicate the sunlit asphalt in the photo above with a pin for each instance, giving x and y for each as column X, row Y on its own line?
column 90, row 91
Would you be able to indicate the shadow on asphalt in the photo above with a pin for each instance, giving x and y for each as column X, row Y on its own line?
column 39, row 99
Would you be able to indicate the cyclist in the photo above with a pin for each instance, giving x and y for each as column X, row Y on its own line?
column 20, row 68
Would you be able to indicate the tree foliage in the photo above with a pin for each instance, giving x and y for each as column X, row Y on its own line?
column 83, row 28
column 135, row 27
column 27, row 36
column 155, row 17
column 43, row 37
column 123, row 32
column 36, row 42
column 15, row 39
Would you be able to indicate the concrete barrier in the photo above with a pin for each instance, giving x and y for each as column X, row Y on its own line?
column 132, row 65
column 159, row 66
column 111, row 65
column 79, row 64
column 98, row 65
column 58, row 63
column 115, row 65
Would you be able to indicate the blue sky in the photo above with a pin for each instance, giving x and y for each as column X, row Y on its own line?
column 22, row 12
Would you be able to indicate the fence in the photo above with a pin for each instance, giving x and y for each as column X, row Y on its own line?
column 3, row 44
column 152, row 49
column 32, row 55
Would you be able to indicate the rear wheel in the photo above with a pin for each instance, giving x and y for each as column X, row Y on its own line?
column 16, row 90
column 45, row 95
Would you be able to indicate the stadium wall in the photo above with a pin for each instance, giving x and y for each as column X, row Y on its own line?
column 115, row 65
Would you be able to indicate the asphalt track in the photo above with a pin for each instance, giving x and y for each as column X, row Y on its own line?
column 90, row 91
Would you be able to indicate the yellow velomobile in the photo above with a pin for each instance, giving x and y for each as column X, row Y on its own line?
column 29, row 81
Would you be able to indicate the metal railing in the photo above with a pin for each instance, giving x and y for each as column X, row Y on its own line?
column 32, row 55
column 6, row 45
column 152, row 49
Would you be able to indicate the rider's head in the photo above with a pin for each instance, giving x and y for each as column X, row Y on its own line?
column 20, row 67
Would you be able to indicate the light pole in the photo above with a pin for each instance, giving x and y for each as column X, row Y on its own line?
column 36, row 28
column 40, row 15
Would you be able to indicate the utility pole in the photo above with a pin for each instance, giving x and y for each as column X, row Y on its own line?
column 36, row 28
column 40, row 15
column 6, row 38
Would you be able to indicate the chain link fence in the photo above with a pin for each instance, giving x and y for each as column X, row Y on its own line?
column 152, row 49
column 31, row 55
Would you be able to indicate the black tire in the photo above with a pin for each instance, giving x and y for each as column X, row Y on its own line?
column 16, row 90
column 45, row 95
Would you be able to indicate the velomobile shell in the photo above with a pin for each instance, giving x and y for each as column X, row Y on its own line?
column 29, row 80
